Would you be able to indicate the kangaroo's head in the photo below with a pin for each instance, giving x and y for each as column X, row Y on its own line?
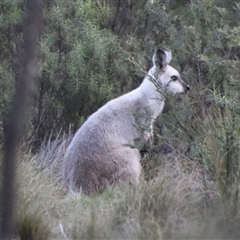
column 168, row 77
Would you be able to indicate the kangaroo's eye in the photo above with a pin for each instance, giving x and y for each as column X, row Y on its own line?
column 174, row 78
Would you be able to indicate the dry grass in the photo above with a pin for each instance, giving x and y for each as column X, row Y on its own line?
column 178, row 203
column 51, row 153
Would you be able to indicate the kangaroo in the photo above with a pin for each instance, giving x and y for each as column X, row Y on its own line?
column 100, row 153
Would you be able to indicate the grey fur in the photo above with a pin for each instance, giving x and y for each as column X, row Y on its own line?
column 100, row 154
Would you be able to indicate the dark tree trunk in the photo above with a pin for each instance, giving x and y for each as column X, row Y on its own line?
column 17, row 118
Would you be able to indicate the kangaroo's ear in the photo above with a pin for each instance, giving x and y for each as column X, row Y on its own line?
column 162, row 58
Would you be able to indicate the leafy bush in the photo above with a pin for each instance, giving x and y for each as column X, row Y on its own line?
column 81, row 66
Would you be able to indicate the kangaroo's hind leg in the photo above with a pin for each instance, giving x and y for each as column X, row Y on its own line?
column 128, row 165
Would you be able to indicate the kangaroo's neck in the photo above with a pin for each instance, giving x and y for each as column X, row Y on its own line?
column 149, row 86
column 154, row 94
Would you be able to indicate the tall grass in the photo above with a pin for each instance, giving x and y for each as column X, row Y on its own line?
column 177, row 202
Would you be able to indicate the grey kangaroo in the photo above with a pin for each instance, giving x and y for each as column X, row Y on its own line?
column 100, row 154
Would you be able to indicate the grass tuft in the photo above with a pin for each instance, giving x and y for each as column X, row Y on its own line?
column 30, row 225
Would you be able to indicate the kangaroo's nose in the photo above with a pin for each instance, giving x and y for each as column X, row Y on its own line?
column 187, row 87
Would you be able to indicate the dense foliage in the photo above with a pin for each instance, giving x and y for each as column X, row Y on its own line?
column 94, row 50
